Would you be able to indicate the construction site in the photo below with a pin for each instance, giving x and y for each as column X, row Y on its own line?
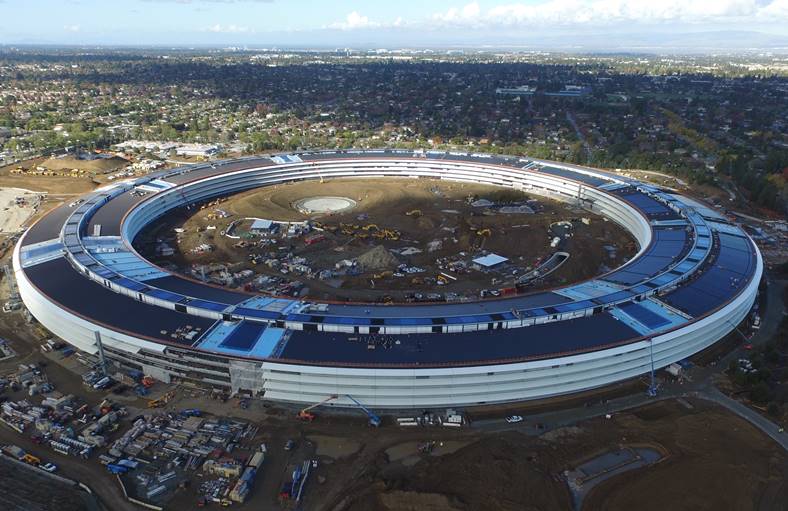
column 74, row 420
column 187, row 449
column 386, row 241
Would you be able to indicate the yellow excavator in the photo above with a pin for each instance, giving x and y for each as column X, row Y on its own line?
column 163, row 400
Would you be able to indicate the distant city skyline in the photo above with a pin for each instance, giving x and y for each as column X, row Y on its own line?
column 582, row 24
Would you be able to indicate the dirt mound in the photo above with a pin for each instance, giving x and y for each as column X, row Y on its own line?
column 379, row 258
column 99, row 165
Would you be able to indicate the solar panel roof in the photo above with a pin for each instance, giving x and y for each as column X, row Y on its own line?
column 61, row 283
column 536, row 341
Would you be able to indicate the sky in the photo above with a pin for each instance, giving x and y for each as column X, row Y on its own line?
column 616, row 24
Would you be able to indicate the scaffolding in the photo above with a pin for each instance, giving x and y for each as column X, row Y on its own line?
column 246, row 376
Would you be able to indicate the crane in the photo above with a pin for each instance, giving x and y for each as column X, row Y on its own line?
column 374, row 420
column 304, row 414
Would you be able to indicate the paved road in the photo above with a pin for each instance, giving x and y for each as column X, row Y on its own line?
column 662, row 174
column 701, row 386
column 579, row 132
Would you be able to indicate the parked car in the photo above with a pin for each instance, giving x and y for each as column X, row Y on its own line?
column 289, row 445
column 512, row 419
column 49, row 467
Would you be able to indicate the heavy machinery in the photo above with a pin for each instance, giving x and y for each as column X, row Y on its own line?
column 387, row 234
column 416, row 213
column 117, row 469
column 163, row 400
column 31, row 460
column 374, row 420
column 305, row 414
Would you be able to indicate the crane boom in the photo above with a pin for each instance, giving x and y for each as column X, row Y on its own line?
column 326, row 400
column 374, row 420
column 305, row 415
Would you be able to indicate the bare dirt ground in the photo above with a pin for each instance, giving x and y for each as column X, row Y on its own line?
column 715, row 461
column 59, row 184
column 445, row 217
column 96, row 166
column 17, row 206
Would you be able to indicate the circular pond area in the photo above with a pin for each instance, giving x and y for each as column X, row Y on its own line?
column 318, row 205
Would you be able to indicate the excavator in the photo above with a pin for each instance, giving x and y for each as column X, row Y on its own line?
column 306, row 415
column 386, row 234
column 416, row 213
column 163, row 400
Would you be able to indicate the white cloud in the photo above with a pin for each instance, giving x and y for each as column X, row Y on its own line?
column 604, row 12
column 71, row 28
column 227, row 29
column 464, row 15
column 353, row 21
column 579, row 13
column 777, row 9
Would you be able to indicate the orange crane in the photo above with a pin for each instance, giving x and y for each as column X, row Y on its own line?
column 305, row 415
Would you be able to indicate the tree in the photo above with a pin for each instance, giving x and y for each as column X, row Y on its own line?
column 760, row 393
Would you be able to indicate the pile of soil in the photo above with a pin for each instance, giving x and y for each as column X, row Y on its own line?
column 99, row 165
column 379, row 258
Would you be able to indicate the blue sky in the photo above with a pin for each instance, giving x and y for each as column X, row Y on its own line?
column 374, row 23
